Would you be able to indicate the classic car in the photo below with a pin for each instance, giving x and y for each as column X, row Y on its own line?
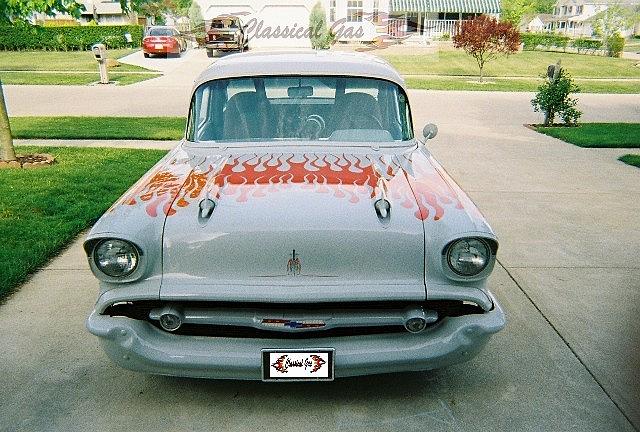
column 163, row 40
column 299, row 231
column 225, row 33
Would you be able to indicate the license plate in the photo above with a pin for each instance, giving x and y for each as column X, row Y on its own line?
column 298, row 365
column 159, row 46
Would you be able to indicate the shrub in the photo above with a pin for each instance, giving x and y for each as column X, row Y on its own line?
column 445, row 37
column 320, row 35
column 532, row 41
column 615, row 45
column 553, row 99
column 65, row 38
column 587, row 45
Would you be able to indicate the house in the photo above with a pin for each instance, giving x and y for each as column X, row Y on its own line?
column 285, row 23
column 536, row 23
column 575, row 17
column 106, row 12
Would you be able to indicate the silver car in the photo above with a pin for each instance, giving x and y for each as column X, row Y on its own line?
column 298, row 232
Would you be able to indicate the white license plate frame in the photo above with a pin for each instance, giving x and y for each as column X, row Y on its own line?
column 270, row 373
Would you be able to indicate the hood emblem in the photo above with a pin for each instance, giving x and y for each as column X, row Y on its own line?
column 294, row 266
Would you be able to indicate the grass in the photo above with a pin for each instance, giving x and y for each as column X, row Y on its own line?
column 631, row 159
column 51, row 68
column 598, row 135
column 142, row 128
column 516, row 84
column 523, row 64
column 42, row 209
column 455, row 70
column 60, row 61
column 30, row 78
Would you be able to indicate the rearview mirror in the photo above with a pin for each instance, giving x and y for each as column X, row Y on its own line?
column 430, row 131
column 300, row 92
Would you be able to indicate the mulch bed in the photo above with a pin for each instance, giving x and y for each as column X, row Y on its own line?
column 36, row 160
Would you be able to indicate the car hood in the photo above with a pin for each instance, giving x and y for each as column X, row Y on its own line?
column 299, row 224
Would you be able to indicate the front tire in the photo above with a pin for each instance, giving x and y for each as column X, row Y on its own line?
column 209, row 52
column 146, row 55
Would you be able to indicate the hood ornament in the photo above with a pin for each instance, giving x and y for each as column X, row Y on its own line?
column 294, row 267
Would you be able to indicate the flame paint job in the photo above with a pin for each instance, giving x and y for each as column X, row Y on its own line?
column 344, row 176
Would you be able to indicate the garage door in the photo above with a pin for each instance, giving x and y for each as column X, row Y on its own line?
column 242, row 10
column 282, row 16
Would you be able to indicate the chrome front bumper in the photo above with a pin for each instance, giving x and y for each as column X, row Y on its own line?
column 140, row 346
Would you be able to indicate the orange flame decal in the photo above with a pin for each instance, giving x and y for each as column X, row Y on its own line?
column 420, row 186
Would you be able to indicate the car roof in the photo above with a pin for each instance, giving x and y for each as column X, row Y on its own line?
column 306, row 62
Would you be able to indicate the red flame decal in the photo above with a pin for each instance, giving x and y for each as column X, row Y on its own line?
column 421, row 184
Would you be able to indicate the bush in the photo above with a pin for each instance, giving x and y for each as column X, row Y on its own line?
column 615, row 45
column 320, row 35
column 587, row 45
column 553, row 99
column 65, row 38
column 532, row 41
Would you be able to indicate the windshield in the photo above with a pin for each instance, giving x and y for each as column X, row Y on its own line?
column 310, row 108
column 224, row 23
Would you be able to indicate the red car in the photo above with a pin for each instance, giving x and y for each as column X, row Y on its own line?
column 163, row 40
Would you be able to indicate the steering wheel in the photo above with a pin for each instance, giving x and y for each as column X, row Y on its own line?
column 314, row 125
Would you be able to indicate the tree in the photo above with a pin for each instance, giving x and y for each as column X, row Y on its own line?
column 484, row 39
column 15, row 12
column 319, row 33
column 154, row 8
column 553, row 97
column 513, row 10
column 609, row 23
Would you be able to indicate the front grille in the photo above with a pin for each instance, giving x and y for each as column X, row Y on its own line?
column 222, row 37
column 250, row 332
column 140, row 310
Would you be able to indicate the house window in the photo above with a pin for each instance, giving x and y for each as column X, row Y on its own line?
column 376, row 11
column 579, row 10
column 332, row 10
column 570, row 10
column 354, row 11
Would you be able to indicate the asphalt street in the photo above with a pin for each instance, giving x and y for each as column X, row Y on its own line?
column 568, row 220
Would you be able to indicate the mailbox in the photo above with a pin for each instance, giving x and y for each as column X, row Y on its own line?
column 99, row 52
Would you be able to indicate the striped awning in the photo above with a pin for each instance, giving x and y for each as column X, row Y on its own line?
column 464, row 6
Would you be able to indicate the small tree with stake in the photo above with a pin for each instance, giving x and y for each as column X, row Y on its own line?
column 484, row 38
column 553, row 97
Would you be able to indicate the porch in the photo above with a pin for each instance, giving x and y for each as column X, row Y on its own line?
column 431, row 19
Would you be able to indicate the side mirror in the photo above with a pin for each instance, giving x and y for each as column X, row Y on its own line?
column 430, row 131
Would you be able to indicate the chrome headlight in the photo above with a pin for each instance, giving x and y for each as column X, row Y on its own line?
column 468, row 256
column 115, row 258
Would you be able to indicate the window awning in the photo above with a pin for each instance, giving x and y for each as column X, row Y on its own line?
column 464, row 6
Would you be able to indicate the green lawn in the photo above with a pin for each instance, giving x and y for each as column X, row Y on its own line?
column 30, row 78
column 516, row 84
column 151, row 128
column 60, row 60
column 631, row 159
column 598, row 135
column 42, row 209
column 523, row 64
column 16, row 67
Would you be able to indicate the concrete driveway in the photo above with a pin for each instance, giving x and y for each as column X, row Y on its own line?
column 569, row 224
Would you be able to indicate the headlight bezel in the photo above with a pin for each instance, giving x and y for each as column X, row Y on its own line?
column 121, row 277
column 452, row 273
